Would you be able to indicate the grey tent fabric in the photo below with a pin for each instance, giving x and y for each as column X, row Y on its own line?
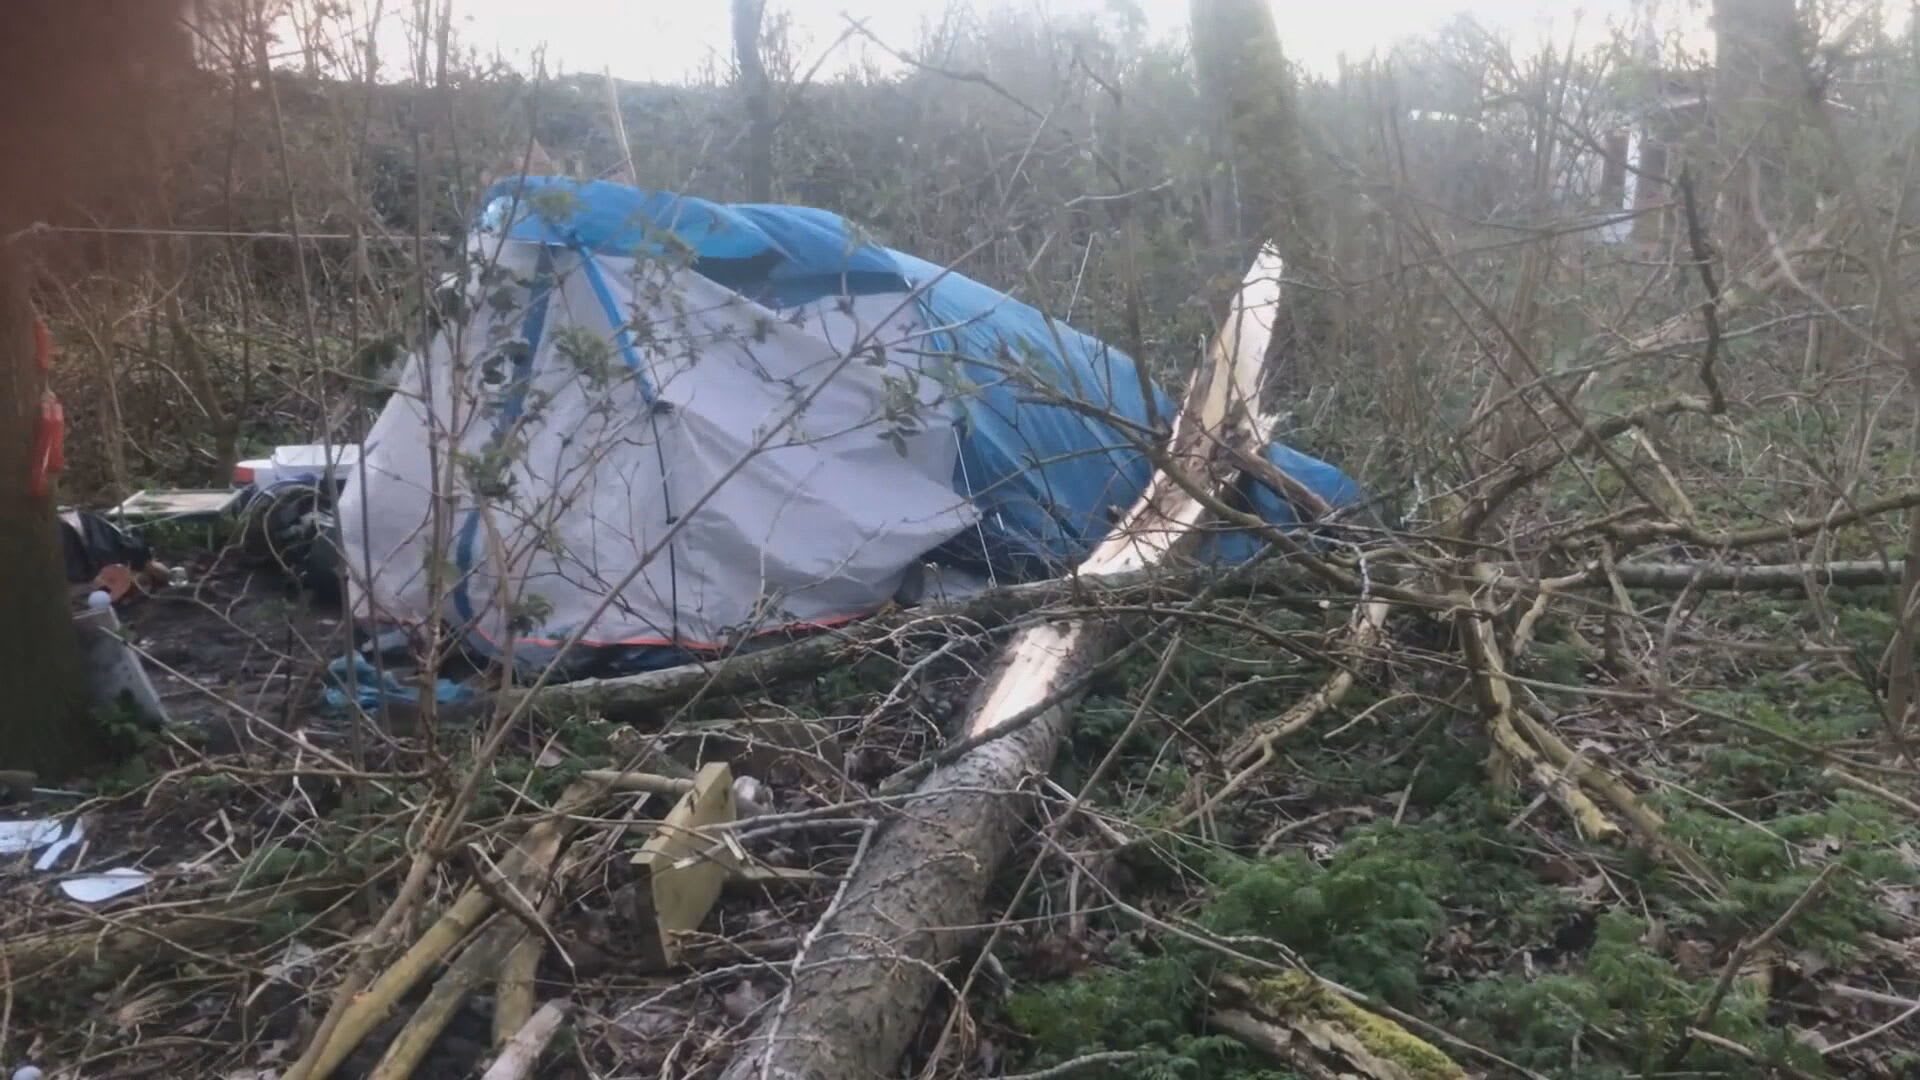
column 690, row 469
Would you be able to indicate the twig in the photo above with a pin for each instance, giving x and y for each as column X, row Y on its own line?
column 1068, row 1068
column 1721, row 1042
column 1848, row 780
column 1711, row 1007
column 1710, row 307
column 1912, row 1011
column 1362, row 633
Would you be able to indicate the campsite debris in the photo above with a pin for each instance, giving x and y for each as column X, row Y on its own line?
column 850, row 1009
column 20, row 837
column 105, row 885
column 51, row 856
column 684, row 877
column 179, row 506
column 117, row 683
column 359, row 682
column 101, row 555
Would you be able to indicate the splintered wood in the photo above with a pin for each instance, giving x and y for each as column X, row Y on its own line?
column 1221, row 410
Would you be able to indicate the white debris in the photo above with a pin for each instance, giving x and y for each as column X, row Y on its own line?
column 94, row 888
column 17, row 837
column 51, row 856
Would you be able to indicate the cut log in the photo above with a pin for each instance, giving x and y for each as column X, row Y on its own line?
column 866, row 973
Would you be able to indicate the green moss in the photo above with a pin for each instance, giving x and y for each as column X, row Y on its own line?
column 1295, row 995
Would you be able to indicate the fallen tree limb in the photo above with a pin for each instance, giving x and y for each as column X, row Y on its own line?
column 1645, row 531
column 1510, row 748
column 155, row 937
column 1731, row 577
column 1705, row 576
column 513, row 1000
column 634, row 697
column 486, row 953
column 525, row 865
column 1303, row 1025
column 869, row 967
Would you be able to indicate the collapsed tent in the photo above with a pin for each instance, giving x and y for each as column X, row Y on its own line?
column 667, row 424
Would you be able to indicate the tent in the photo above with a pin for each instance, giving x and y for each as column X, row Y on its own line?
column 668, row 425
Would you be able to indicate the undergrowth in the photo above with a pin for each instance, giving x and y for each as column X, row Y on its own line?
column 1581, row 962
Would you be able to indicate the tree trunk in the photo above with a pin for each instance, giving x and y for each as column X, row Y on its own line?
column 1760, row 95
column 45, row 723
column 747, row 18
column 1259, row 183
column 82, row 137
column 1249, row 92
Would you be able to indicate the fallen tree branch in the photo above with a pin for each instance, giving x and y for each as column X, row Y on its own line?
column 1643, row 532
column 486, row 953
column 1729, row 577
column 875, row 957
column 635, row 697
column 1510, row 749
column 155, row 937
column 1710, row 1008
column 525, row 864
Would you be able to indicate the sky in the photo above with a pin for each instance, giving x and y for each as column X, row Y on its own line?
column 667, row 40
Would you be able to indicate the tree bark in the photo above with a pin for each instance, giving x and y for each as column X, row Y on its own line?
column 748, row 16
column 84, row 132
column 45, row 723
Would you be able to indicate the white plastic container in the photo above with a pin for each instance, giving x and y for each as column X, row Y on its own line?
column 310, row 464
column 306, row 463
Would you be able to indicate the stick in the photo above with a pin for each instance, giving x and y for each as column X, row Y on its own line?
column 513, row 1004
column 522, row 1052
column 1496, row 705
column 487, row 952
column 1711, row 1007
column 528, row 861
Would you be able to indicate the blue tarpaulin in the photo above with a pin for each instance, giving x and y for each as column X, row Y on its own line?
column 1047, row 479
